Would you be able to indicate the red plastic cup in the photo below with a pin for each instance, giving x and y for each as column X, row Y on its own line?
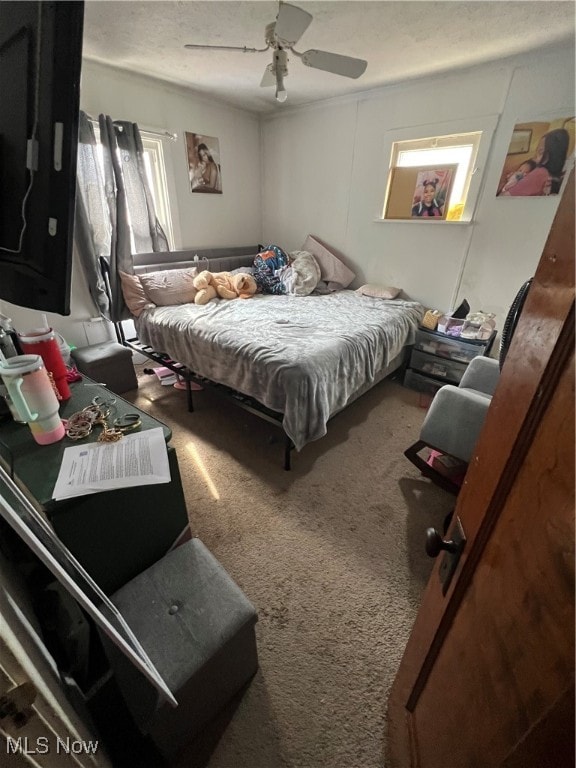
column 43, row 342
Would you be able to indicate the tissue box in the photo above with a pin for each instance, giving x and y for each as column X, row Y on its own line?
column 431, row 318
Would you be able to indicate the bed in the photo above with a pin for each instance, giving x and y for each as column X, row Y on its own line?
column 294, row 360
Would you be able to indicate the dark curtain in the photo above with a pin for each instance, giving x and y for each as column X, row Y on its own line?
column 115, row 209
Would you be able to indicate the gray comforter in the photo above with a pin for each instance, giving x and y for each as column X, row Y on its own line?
column 304, row 357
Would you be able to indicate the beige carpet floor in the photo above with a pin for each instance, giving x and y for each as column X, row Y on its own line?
column 331, row 554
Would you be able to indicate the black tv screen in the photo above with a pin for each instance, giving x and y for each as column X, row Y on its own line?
column 40, row 66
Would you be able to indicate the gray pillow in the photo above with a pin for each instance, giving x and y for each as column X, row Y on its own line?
column 243, row 270
column 334, row 272
column 169, row 286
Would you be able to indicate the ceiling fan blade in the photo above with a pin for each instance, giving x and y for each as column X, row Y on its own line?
column 334, row 62
column 291, row 23
column 242, row 48
column 269, row 78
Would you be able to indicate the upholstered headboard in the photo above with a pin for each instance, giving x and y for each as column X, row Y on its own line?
column 219, row 259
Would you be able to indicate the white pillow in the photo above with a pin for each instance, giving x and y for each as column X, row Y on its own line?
column 378, row 291
column 333, row 271
column 170, row 286
column 301, row 276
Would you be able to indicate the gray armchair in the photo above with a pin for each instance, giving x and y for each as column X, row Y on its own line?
column 455, row 418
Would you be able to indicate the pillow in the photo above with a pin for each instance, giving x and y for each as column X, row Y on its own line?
column 333, row 271
column 242, row 271
column 170, row 286
column 322, row 288
column 133, row 292
column 378, row 291
column 302, row 275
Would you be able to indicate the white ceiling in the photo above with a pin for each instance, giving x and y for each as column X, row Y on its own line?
column 399, row 39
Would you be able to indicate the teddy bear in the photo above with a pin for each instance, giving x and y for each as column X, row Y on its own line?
column 244, row 285
column 224, row 285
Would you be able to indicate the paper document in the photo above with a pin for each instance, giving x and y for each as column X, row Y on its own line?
column 139, row 459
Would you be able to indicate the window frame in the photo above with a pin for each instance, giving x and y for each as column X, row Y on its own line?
column 486, row 126
column 154, row 147
column 163, row 185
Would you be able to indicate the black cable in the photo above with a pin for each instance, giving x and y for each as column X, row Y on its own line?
column 512, row 320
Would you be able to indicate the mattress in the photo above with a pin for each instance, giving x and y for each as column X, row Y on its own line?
column 303, row 357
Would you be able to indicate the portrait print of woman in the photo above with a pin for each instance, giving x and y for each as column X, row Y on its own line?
column 204, row 163
column 539, row 169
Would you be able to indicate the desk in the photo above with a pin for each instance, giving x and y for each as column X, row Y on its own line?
column 116, row 534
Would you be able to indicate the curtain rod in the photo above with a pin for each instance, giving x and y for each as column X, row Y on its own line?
column 162, row 134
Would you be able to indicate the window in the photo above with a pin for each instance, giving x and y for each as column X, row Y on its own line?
column 456, row 150
column 156, row 173
column 157, row 178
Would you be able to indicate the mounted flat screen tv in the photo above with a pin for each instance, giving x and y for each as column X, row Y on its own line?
column 40, row 65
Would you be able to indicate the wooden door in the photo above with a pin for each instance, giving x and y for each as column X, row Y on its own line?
column 487, row 678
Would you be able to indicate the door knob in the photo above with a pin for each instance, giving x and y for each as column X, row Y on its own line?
column 453, row 548
column 435, row 543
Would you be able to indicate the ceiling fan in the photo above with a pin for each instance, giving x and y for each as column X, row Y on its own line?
column 280, row 36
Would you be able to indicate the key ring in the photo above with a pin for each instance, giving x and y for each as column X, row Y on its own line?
column 128, row 422
column 101, row 402
column 95, row 412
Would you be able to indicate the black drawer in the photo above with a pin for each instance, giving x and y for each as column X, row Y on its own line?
column 439, row 367
column 421, row 383
column 451, row 348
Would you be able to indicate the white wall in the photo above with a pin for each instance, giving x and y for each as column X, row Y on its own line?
column 325, row 173
column 232, row 218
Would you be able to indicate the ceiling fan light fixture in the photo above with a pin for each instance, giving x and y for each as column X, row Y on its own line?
column 280, row 68
column 281, row 93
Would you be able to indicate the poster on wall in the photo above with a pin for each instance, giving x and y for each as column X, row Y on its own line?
column 420, row 193
column 538, row 157
column 204, row 169
column 431, row 193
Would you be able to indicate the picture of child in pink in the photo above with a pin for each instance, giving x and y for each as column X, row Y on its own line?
column 428, row 205
column 431, row 192
column 548, row 165
column 522, row 170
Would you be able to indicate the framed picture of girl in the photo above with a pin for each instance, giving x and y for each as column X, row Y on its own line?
column 204, row 169
column 420, row 193
column 432, row 191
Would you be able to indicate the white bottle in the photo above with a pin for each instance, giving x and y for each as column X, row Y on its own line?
column 33, row 396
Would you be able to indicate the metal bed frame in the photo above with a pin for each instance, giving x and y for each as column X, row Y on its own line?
column 217, row 260
column 242, row 401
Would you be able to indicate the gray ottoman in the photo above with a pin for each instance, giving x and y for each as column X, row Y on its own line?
column 109, row 363
column 197, row 627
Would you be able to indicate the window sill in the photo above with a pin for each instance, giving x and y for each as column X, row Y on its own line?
column 435, row 222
